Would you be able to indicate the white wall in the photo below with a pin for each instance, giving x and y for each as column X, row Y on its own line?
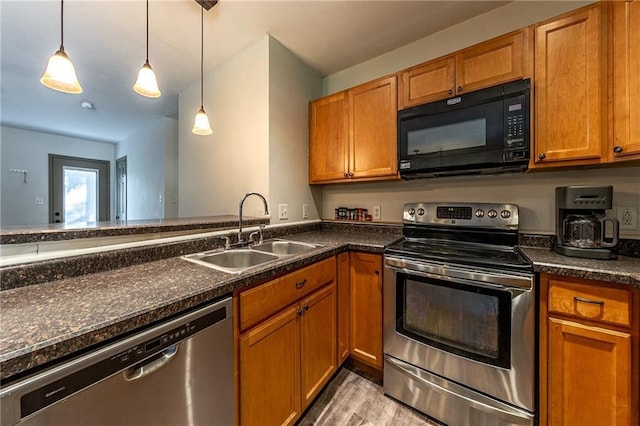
column 151, row 170
column 29, row 150
column 216, row 171
column 533, row 192
column 499, row 21
column 257, row 104
column 292, row 84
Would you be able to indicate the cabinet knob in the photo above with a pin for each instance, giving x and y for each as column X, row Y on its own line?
column 459, row 88
column 377, row 272
column 451, row 91
column 350, row 174
column 617, row 149
column 345, row 174
column 299, row 312
column 541, row 156
column 305, row 307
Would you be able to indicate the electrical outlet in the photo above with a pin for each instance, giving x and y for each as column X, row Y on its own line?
column 283, row 211
column 376, row 213
column 628, row 217
column 305, row 211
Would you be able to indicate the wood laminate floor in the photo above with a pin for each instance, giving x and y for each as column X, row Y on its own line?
column 351, row 400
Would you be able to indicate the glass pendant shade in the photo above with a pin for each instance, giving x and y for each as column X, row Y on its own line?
column 147, row 84
column 201, row 124
column 60, row 74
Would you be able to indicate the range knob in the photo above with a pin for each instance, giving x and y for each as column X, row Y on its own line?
column 479, row 213
column 411, row 211
column 420, row 211
column 505, row 214
column 492, row 214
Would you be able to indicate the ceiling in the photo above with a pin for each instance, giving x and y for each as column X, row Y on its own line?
column 106, row 42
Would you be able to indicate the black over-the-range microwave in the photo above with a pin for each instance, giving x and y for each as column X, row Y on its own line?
column 486, row 131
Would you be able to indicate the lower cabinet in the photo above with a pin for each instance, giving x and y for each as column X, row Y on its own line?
column 589, row 353
column 286, row 359
column 365, row 314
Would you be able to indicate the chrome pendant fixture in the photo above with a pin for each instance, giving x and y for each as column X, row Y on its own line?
column 201, row 124
column 147, row 84
column 60, row 74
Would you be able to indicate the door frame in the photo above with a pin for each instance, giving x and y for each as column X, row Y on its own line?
column 104, row 183
column 121, row 162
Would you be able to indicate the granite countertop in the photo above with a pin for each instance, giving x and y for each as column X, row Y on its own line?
column 623, row 270
column 20, row 234
column 45, row 322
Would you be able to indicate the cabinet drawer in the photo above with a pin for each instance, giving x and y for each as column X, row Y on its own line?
column 263, row 301
column 602, row 304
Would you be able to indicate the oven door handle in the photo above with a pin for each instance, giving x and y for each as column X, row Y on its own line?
column 439, row 271
column 485, row 404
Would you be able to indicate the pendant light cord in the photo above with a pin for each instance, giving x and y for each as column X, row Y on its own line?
column 201, row 57
column 61, row 25
column 147, row 60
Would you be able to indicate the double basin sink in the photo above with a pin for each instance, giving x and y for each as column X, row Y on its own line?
column 235, row 261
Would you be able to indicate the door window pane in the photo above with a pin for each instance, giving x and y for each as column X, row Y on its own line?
column 80, row 195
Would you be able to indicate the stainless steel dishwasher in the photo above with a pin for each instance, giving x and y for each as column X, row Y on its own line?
column 177, row 373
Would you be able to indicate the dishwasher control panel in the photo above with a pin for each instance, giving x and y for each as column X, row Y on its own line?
column 139, row 351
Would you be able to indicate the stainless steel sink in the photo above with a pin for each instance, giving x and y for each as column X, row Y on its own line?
column 231, row 261
column 284, row 247
column 235, row 261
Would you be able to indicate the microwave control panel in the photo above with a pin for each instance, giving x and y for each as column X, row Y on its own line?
column 516, row 120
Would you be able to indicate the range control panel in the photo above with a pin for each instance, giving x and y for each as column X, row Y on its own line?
column 480, row 215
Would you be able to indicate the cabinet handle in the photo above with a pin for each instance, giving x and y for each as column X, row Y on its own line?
column 542, row 156
column 301, row 283
column 617, row 149
column 594, row 302
column 459, row 88
column 450, row 91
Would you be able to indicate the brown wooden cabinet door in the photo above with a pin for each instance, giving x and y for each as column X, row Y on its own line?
column 626, row 81
column 343, row 306
column 570, row 89
column 328, row 138
column 427, row 82
column 496, row 61
column 372, row 129
column 318, row 340
column 270, row 371
column 589, row 375
column 365, row 281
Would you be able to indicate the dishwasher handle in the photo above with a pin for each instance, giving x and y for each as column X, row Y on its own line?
column 151, row 365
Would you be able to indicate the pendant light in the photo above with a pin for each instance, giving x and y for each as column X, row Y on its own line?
column 60, row 74
column 147, row 84
column 201, row 124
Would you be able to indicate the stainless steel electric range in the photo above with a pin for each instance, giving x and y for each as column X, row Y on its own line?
column 459, row 315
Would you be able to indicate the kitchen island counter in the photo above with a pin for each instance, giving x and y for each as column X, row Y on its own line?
column 46, row 322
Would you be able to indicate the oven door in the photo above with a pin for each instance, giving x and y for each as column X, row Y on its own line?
column 470, row 326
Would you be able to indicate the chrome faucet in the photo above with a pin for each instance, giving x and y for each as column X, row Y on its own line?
column 266, row 212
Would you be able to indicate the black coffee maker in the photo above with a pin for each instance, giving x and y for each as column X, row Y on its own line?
column 581, row 223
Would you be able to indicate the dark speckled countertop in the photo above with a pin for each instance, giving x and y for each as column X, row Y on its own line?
column 43, row 323
column 623, row 270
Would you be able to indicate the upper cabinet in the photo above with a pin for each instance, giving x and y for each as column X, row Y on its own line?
column 352, row 134
column 625, row 57
column 502, row 59
column 570, row 89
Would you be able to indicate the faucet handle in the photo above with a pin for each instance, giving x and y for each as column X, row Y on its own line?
column 262, row 227
column 227, row 241
column 253, row 234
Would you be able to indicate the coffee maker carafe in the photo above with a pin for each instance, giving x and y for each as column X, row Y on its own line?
column 581, row 223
